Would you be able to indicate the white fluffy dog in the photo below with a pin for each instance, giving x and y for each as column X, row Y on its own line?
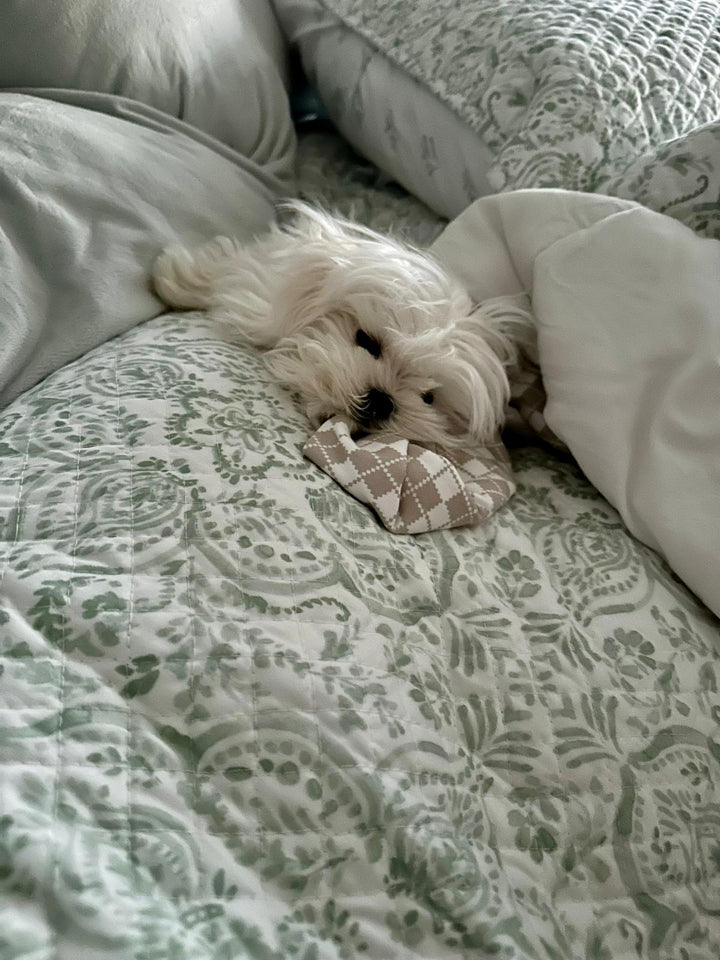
column 358, row 325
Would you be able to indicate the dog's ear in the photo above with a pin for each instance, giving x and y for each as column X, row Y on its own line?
column 475, row 400
column 486, row 346
column 311, row 223
column 509, row 327
column 474, row 385
column 302, row 296
column 312, row 244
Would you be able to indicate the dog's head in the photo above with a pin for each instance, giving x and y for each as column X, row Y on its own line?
column 377, row 332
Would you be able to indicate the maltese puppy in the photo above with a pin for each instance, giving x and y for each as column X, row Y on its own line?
column 358, row 325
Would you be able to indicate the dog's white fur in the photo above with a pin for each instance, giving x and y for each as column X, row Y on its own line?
column 304, row 292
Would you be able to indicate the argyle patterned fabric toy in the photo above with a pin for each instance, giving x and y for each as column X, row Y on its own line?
column 414, row 489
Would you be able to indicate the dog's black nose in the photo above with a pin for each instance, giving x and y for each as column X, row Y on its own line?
column 375, row 406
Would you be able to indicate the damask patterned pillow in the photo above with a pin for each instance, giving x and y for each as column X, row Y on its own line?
column 220, row 65
column 458, row 100
column 681, row 179
column 385, row 113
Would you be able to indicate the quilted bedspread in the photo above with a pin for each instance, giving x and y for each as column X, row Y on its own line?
column 240, row 720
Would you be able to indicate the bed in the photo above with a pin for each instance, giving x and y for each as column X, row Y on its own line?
column 238, row 719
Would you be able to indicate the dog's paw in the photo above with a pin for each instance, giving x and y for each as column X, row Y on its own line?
column 188, row 279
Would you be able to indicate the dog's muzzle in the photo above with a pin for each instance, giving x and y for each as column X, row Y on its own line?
column 375, row 407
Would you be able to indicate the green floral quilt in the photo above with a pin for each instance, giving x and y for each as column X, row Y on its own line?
column 240, row 720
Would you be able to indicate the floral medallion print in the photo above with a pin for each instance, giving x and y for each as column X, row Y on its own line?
column 239, row 719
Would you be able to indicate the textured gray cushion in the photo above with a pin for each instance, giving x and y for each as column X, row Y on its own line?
column 217, row 64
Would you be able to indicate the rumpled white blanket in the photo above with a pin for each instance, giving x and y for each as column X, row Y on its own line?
column 627, row 303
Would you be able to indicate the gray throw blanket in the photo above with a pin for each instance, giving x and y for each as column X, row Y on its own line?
column 92, row 186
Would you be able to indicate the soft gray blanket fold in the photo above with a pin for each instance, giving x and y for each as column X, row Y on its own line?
column 92, row 186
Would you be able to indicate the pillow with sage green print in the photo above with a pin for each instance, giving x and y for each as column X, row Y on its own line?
column 459, row 100
column 680, row 179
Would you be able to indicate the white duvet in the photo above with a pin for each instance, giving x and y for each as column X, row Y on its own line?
column 627, row 303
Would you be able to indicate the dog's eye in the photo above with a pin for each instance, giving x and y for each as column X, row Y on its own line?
column 368, row 343
column 428, row 396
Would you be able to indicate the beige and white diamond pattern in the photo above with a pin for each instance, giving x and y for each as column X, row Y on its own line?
column 414, row 489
